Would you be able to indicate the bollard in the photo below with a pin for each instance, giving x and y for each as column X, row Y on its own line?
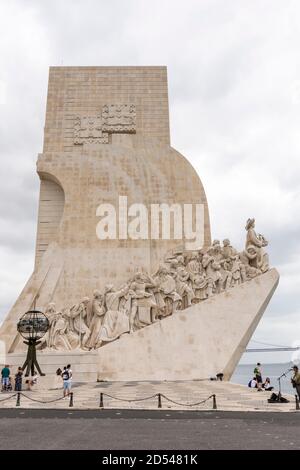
column 214, row 402
column 159, row 400
column 297, row 402
column 18, row 399
column 101, row 401
column 71, row 400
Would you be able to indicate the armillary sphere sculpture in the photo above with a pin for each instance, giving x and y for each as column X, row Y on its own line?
column 32, row 326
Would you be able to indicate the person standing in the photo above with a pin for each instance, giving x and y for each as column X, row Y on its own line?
column 66, row 383
column 5, row 374
column 70, row 377
column 258, row 376
column 296, row 380
column 18, row 380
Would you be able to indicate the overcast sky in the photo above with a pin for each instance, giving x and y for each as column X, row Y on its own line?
column 234, row 91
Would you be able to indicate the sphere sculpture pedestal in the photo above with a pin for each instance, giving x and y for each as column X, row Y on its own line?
column 32, row 326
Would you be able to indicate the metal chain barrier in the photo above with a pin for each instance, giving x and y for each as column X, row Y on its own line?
column 41, row 401
column 19, row 394
column 102, row 394
column 159, row 396
column 8, row 398
column 187, row 404
column 129, row 400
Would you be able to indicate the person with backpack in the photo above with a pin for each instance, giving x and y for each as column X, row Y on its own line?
column 258, row 376
column 66, row 382
column 5, row 374
column 252, row 383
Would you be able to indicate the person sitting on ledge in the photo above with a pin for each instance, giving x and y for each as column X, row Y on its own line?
column 252, row 383
column 267, row 385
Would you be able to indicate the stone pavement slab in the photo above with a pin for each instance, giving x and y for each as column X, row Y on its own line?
column 178, row 395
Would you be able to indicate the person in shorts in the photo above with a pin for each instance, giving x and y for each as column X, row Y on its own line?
column 258, row 376
column 5, row 374
column 66, row 382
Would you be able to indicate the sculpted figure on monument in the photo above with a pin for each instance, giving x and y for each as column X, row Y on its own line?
column 247, row 258
column 261, row 261
column 183, row 288
column 228, row 251
column 218, row 255
column 198, row 280
column 78, row 319
column 184, row 278
column 116, row 319
column 95, row 315
column 233, row 263
column 143, row 308
column 173, row 260
column 58, row 336
column 213, row 274
column 236, row 268
column 61, row 338
column 167, row 298
column 51, row 314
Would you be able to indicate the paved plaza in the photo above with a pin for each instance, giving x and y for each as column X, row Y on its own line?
column 179, row 395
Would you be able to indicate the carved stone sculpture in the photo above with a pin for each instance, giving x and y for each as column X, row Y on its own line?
column 60, row 334
column 258, row 241
column 116, row 320
column 247, row 258
column 198, row 280
column 184, row 278
column 113, row 119
column 218, row 255
column 213, row 274
column 233, row 263
column 95, row 317
column 167, row 298
column 78, row 316
column 183, row 288
column 143, row 303
column 51, row 314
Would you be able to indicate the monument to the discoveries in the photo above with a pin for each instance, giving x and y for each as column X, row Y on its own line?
column 125, row 266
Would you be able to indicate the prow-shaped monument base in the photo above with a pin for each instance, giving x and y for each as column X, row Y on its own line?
column 197, row 343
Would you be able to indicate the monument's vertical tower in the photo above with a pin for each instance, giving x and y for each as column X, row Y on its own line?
column 76, row 97
column 106, row 136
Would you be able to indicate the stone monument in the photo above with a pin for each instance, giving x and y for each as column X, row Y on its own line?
column 125, row 269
